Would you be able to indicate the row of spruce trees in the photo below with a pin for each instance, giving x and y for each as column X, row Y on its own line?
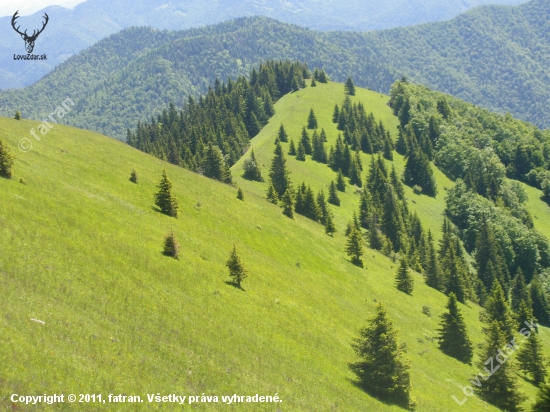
column 210, row 134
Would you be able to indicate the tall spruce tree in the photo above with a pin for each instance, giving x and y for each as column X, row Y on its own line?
column 453, row 336
column 381, row 370
column 531, row 359
column 404, row 280
column 283, row 137
column 166, row 202
column 355, row 173
column 292, row 148
column 340, row 182
column 311, row 120
column 335, row 114
column 501, row 388
column 287, row 203
column 456, row 273
column 237, row 271
column 519, row 293
column 497, row 310
column 490, row 262
column 306, row 141
column 330, row 228
column 278, row 173
column 392, row 220
column 301, row 152
column 349, row 87
column 333, row 198
column 6, row 160
column 354, row 246
column 366, row 209
column 432, row 272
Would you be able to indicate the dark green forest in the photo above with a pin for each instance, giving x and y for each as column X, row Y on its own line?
column 496, row 57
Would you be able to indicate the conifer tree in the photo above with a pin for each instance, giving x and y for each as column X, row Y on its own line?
column 240, row 194
column 497, row 310
column 333, row 198
column 252, row 168
column 166, row 202
column 322, row 206
column 388, row 149
column 311, row 120
column 432, row 272
column 313, row 83
column 335, row 114
column 453, row 336
column 306, row 141
column 392, row 221
column 271, row 194
column 329, row 224
column 381, row 370
column 133, row 176
column 278, row 173
column 396, row 183
column 292, row 148
column 349, row 87
column 319, row 153
column 366, row 209
column 455, row 283
column 288, row 204
column 501, row 388
column 354, row 246
column 283, row 137
column 171, row 245
column 490, row 263
column 340, row 182
column 237, row 270
column 518, row 294
column 542, row 404
column 531, row 359
column 17, row 115
column 355, row 174
column 404, row 280
column 6, row 160
column 301, row 152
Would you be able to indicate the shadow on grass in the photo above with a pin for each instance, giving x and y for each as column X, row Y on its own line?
column 387, row 402
column 235, row 285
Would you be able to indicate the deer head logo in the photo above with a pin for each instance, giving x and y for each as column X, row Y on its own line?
column 29, row 40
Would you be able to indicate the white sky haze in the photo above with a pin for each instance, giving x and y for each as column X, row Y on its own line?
column 26, row 7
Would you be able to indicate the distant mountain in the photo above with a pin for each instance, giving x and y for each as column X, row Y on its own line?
column 70, row 31
column 497, row 57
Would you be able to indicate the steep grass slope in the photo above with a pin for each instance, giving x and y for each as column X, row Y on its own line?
column 80, row 249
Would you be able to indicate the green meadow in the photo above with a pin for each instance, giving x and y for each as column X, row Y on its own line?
column 81, row 251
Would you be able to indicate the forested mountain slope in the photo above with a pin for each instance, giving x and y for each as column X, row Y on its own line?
column 496, row 57
column 72, row 30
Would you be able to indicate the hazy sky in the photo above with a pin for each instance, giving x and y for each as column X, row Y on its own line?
column 26, row 7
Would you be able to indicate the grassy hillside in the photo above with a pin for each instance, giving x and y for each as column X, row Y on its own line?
column 81, row 250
